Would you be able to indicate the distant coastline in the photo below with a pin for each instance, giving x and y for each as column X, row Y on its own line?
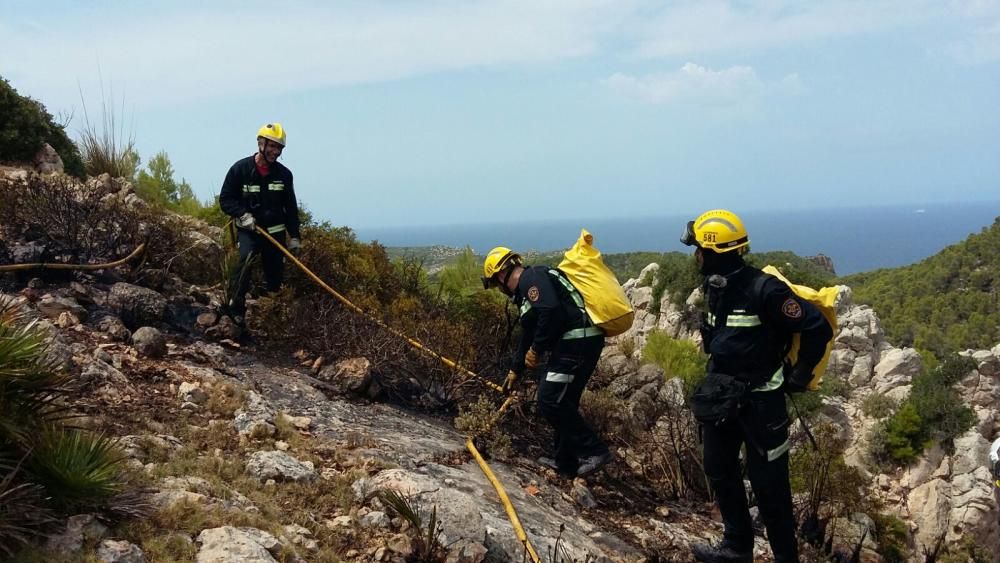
column 856, row 239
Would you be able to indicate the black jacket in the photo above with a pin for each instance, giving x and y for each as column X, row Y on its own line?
column 749, row 324
column 270, row 199
column 547, row 312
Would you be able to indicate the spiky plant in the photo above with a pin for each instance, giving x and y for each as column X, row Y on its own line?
column 45, row 465
column 427, row 546
column 23, row 511
column 30, row 384
column 77, row 468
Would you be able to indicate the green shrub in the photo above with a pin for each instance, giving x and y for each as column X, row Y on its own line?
column 877, row 405
column 107, row 148
column 934, row 412
column 27, row 126
column 479, row 421
column 677, row 358
column 891, row 535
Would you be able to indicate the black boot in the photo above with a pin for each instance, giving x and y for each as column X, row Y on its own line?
column 551, row 463
column 721, row 553
column 591, row 464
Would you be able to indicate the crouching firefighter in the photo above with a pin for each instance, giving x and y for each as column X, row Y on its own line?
column 258, row 191
column 555, row 325
column 747, row 330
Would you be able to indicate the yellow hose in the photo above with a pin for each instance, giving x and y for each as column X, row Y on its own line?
column 515, row 522
column 86, row 267
column 416, row 344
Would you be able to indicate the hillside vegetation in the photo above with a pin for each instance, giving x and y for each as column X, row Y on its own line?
column 950, row 301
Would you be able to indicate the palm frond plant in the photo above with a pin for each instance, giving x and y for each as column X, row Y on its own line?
column 427, row 545
column 47, row 468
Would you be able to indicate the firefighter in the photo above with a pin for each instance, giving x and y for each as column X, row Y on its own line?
column 258, row 191
column 555, row 325
column 746, row 330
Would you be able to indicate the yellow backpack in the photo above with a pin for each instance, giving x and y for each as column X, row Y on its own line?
column 825, row 300
column 603, row 296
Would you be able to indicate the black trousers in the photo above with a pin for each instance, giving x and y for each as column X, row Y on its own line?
column 764, row 429
column 254, row 245
column 560, row 387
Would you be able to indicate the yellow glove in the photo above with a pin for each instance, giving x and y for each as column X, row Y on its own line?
column 531, row 359
column 508, row 384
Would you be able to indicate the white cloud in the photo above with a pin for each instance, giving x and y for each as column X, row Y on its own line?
column 981, row 47
column 691, row 84
column 209, row 52
column 700, row 26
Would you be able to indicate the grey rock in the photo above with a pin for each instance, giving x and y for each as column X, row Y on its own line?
column 255, row 419
column 279, row 466
column 235, row 545
column 375, row 519
column 149, row 342
column 582, row 495
column 348, row 377
column 47, row 160
column 142, row 447
column 100, row 373
column 466, row 551
column 27, row 252
column 225, row 328
column 115, row 328
column 192, row 393
column 52, row 307
column 79, row 529
column 136, row 306
column 120, row 551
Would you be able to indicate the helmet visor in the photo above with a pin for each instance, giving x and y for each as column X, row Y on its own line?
column 688, row 238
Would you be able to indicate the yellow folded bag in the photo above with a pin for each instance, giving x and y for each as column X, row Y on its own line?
column 603, row 296
column 825, row 300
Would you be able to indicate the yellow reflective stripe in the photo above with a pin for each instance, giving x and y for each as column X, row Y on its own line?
column 742, row 320
column 775, row 383
column 251, row 189
column 276, row 187
column 710, row 319
column 582, row 332
column 275, row 229
column 779, row 451
column 525, row 307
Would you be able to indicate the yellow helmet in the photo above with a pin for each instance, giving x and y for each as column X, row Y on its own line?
column 718, row 230
column 273, row 132
column 499, row 258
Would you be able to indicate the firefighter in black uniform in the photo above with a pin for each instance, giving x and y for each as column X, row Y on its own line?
column 258, row 191
column 746, row 331
column 554, row 322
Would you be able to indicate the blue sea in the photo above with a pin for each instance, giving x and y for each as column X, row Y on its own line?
column 857, row 240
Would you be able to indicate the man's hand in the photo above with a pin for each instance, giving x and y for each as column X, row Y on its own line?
column 531, row 359
column 294, row 246
column 508, row 384
column 797, row 378
column 246, row 222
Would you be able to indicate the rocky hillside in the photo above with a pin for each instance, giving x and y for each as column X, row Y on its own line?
column 247, row 453
column 245, row 450
column 946, row 497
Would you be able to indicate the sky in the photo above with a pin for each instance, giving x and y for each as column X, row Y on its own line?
column 457, row 112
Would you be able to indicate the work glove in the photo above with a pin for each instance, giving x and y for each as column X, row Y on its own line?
column 246, row 222
column 531, row 359
column 797, row 378
column 508, row 384
column 294, row 246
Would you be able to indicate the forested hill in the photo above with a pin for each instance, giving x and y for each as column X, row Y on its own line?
column 950, row 301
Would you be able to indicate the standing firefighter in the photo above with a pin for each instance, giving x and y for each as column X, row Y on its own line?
column 555, row 324
column 747, row 331
column 258, row 191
